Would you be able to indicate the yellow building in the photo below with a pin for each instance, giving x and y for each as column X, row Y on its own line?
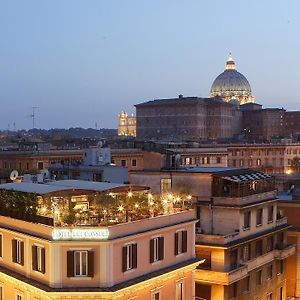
column 239, row 232
column 79, row 246
column 127, row 125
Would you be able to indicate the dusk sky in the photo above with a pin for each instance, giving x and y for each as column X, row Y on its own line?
column 83, row 62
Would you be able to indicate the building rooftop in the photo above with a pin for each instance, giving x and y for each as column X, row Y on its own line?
column 182, row 101
column 67, row 185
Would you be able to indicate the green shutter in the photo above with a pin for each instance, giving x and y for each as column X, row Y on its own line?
column 176, row 244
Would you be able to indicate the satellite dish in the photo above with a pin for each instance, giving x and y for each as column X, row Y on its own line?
column 14, row 175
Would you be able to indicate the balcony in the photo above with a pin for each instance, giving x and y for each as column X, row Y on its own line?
column 260, row 260
column 217, row 239
column 283, row 251
column 281, row 221
column 223, row 278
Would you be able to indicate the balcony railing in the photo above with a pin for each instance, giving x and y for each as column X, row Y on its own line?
column 26, row 217
column 283, row 251
column 216, row 239
column 281, row 221
column 224, row 278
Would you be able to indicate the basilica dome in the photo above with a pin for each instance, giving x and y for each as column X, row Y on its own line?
column 231, row 84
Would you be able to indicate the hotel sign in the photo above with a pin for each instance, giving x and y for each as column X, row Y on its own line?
column 80, row 234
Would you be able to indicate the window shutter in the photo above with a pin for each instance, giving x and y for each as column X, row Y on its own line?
column 1, row 245
column 176, row 243
column 184, row 241
column 124, row 259
column 151, row 251
column 14, row 250
column 34, row 257
column 70, row 263
column 161, row 248
column 43, row 261
column 22, row 253
column 91, row 264
column 134, row 258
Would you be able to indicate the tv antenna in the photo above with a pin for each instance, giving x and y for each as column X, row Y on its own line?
column 32, row 115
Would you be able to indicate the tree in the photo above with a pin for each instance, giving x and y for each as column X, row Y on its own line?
column 295, row 164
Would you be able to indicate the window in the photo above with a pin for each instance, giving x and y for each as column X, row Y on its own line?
column 218, row 160
column 259, row 216
column 18, row 251
column 180, row 242
column 270, row 296
column 270, row 213
column 270, row 243
column 19, row 297
column 246, row 254
column 247, row 284
column 156, row 249
column 270, row 272
column 258, row 277
column 155, row 295
column 38, row 258
column 129, row 257
column 80, row 263
column 123, row 162
column 247, row 219
column 133, row 163
column 279, row 267
column 40, row 165
column 180, row 290
column 259, row 248
column 165, row 185
column 1, row 246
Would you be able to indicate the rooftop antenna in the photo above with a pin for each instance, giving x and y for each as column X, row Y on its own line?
column 33, row 115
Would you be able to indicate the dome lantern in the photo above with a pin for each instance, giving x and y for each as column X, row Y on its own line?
column 230, row 64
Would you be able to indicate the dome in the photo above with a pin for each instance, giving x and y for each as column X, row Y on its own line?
column 231, row 84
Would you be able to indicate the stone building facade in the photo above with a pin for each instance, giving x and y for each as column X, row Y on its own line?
column 187, row 118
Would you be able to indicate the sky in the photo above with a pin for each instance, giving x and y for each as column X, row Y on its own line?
column 83, row 62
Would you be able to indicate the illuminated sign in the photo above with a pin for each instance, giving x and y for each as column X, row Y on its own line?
column 80, row 234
